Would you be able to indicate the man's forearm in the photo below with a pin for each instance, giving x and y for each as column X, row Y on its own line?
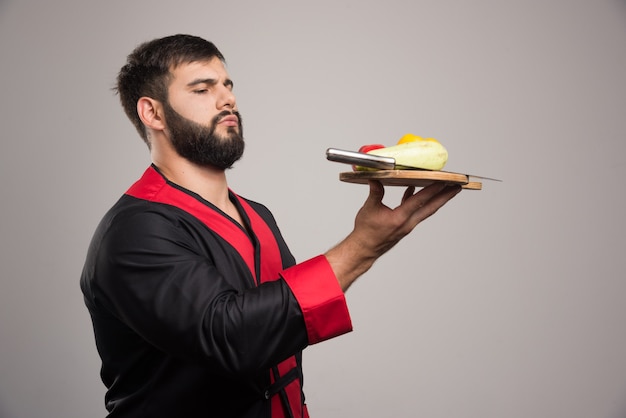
column 349, row 260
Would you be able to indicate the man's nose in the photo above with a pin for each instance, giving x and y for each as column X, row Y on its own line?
column 226, row 98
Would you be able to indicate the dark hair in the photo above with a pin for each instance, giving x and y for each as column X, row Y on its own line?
column 147, row 70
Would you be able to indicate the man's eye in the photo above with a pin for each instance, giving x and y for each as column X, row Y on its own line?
column 200, row 91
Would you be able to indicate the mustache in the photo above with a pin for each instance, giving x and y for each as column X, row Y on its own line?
column 225, row 113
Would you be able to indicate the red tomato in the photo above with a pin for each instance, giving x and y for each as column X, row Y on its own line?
column 367, row 148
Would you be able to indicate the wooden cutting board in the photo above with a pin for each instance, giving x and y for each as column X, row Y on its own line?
column 415, row 178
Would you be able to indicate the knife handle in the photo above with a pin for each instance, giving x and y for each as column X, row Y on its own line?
column 360, row 158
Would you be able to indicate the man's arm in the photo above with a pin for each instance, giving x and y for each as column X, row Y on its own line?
column 377, row 228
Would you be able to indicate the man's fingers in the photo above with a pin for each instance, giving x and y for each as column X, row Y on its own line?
column 377, row 192
column 408, row 193
column 427, row 207
column 419, row 199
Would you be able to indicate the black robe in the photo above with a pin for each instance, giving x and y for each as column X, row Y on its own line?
column 197, row 316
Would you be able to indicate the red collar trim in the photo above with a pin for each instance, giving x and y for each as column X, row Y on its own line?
column 152, row 186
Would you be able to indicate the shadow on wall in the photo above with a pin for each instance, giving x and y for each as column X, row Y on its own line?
column 3, row 5
column 3, row 413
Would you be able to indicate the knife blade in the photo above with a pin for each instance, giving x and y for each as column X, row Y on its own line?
column 380, row 162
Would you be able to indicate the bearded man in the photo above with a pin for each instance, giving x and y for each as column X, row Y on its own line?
column 198, row 307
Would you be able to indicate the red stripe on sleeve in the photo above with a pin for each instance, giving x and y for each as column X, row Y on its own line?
column 321, row 299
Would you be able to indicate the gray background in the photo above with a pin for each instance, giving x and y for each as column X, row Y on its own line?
column 508, row 303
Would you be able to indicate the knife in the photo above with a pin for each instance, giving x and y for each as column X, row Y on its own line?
column 380, row 162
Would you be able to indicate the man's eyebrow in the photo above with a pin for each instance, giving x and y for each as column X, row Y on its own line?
column 210, row 82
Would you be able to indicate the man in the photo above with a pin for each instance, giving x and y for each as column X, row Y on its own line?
column 198, row 307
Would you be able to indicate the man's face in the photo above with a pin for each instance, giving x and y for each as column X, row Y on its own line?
column 202, row 120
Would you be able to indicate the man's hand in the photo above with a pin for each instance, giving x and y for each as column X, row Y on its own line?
column 377, row 228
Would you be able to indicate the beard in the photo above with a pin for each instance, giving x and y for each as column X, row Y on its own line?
column 200, row 144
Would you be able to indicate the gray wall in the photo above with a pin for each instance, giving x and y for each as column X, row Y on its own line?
column 508, row 303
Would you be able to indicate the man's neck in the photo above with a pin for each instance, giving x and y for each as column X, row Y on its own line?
column 208, row 182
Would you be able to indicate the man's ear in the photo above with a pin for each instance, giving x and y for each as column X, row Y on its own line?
column 150, row 112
